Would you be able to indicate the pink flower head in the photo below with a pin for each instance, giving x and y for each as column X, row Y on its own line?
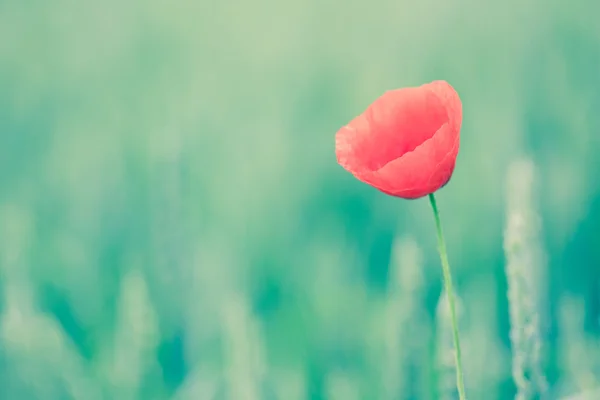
column 406, row 142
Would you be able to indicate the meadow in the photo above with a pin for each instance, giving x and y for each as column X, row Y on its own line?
column 174, row 224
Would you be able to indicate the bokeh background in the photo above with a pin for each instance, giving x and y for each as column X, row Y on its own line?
column 174, row 225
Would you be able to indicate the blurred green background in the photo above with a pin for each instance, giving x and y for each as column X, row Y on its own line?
column 173, row 222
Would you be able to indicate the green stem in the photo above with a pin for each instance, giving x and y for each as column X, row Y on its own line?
column 450, row 293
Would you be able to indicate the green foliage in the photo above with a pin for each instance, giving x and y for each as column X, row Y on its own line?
column 173, row 223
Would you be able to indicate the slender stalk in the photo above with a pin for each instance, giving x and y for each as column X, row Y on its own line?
column 450, row 293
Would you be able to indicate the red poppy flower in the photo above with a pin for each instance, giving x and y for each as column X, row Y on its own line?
column 405, row 144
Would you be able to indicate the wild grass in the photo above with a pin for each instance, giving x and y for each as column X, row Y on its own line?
column 173, row 224
column 525, row 274
column 412, row 353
